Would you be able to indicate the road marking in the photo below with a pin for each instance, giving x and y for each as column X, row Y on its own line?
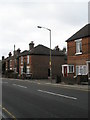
column 47, row 83
column 60, row 95
column 8, row 112
column 38, row 83
column 56, row 85
column 20, row 86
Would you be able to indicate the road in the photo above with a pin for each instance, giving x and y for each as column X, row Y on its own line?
column 23, row 99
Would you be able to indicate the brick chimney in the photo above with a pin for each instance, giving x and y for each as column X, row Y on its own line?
column 57, row 48
column 31, row 45
column 10, row 54
column 18, row 51
column 2, row 57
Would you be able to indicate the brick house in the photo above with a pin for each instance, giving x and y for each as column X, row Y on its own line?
column 78, row 54
column 36, row 61
column 11, row 62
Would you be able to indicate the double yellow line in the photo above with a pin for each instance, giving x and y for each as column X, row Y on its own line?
column 12, row 116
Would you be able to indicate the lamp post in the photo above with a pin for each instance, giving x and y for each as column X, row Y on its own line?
column 50, row 51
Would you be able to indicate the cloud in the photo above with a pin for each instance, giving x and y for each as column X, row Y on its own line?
column 19, row 20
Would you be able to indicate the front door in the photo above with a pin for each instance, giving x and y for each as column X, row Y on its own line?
column 48, row 72
column 89, row 70
column 65, row 71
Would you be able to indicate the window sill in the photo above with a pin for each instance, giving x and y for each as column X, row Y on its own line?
column 78, row 53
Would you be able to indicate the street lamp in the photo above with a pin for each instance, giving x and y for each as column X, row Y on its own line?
column 50, row 51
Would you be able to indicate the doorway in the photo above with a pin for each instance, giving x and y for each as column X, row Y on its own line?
column 65, row 71
column 48, row 72
column 89, row 70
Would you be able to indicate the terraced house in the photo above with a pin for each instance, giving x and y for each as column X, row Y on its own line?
column 78, row 54
column 35, row 62
column 11, row 63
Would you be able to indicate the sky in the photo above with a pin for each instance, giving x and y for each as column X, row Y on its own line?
column 19, row 20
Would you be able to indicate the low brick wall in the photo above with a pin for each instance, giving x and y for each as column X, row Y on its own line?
column 82, row 78
column 68, row 80
column 78, row 80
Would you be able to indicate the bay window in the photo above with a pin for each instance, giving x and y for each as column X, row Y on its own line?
column 81, row 70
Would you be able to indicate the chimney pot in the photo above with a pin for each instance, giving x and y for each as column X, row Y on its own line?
column 31, row 45
column 10, row 54
column 2, row 57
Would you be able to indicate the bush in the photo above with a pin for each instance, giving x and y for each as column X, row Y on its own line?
column 9, row 73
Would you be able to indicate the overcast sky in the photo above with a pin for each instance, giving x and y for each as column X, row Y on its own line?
column 19, row 20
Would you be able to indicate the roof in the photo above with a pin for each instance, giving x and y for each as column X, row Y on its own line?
column 43, row 50
column 82, row 33
column 38, row 50
column 25, row 52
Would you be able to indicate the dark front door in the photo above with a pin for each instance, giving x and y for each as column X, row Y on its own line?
column 48, row 72
column 65, row 71
column 89, row 70
column 18, row 65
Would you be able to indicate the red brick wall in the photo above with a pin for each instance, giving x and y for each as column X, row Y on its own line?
column 78, row 59
column 89, row 48
column 72, row 58
column 40, row 66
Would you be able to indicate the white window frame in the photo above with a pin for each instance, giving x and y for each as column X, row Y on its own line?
column 87, row 62
column 70, row 69
column 78, row 50
column 27, row 59
column 15, row 70
column 81, row 69
column 21, row 70
column 28, row 68
column 21, row 59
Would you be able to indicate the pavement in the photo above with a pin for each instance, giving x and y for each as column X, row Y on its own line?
column 52, row 82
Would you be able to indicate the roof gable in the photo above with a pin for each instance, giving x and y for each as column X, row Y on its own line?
column 82, row 33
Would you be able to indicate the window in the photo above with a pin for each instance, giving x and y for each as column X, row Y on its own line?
column 21, row 59
column 28, row 69
column 27, row 59
column 78, row 46
column 21, row 69
column 81, row 70
column 10, row 63
column 15, row 70
column 71, row 68
column 15, row 61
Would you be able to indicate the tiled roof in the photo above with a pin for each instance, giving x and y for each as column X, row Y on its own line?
column 83, row 32
column 43, row 50
column 25, row 52
column 38, row 50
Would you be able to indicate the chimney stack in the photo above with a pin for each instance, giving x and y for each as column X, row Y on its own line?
column 2, row 57
column 57, row 48
column 31, row 45
column 10, row 54
column 18, row 51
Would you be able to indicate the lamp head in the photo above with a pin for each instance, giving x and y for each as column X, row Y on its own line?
column 39, row 26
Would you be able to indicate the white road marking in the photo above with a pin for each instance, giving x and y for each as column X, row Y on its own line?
column 20, row 86
column 38, row 83
column 47, row 83
column 60, row 95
